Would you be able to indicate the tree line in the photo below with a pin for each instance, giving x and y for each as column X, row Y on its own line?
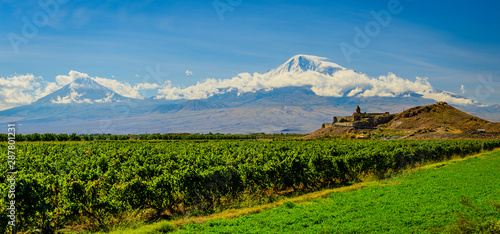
column 155, row 136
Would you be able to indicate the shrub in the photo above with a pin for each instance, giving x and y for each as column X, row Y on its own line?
column 289, row 204
column 475, row 220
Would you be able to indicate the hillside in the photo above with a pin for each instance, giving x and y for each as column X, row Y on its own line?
column 438, row 120
column 440, row 116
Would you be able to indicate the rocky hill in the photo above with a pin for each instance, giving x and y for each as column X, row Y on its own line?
column 438, row 120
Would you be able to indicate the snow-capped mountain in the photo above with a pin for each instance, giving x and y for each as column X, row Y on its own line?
column 323, row 77
column 302, row 63
column 82, row 90
column 297, row 96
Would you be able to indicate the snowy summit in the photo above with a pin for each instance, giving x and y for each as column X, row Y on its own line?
column 302, row 63
column 82, row 90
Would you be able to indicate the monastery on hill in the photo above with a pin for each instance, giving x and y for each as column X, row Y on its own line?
column 354, row 119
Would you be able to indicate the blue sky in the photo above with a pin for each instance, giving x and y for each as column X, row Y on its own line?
column 453, row 43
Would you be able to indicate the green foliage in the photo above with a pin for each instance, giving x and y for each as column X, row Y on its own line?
column 421, row 202
column 20, row 137
column 62, row 137
column 88, row 137
column 475, row 220
column 93, row 182
column 343, row 120
column 166, row 228
column 386, row 133
column 289, row 204
column 101, row 137
column 49, row 137
column 34, row 137
column 74, row 137
column 155, row 136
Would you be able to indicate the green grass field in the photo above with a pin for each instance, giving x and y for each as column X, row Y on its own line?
column 420, row 202
column 123, row 186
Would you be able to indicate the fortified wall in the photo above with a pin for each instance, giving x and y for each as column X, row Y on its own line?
column 360, row 120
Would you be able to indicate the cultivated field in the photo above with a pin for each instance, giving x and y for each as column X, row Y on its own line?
column 105, row 185
column 454, row 197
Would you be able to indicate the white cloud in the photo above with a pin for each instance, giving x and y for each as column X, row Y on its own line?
column 447, row 97
column 73, row 75
column 122, row 88
column 73, row 97
column 49, row 88
column 354, row 92
column 13, row 90
column 140, row 86
column 462, row 89
column 109, row 98
column 341, row 83
column 23, row 89
column 189, row 73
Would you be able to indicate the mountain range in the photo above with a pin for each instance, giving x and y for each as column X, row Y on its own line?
column 297, row 96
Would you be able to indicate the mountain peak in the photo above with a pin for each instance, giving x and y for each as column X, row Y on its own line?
column 301, row 63
column 87, row 83
column 82, row 90
column 81, row 80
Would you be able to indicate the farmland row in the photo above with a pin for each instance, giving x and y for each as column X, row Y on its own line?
column 95, row 182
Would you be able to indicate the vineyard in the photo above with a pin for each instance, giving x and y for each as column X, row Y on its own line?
column 72, row 183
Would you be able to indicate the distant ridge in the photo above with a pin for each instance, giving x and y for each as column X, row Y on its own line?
column 297, row 96
column 191, row 105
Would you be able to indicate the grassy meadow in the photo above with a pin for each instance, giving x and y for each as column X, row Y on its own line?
column 425, row 201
